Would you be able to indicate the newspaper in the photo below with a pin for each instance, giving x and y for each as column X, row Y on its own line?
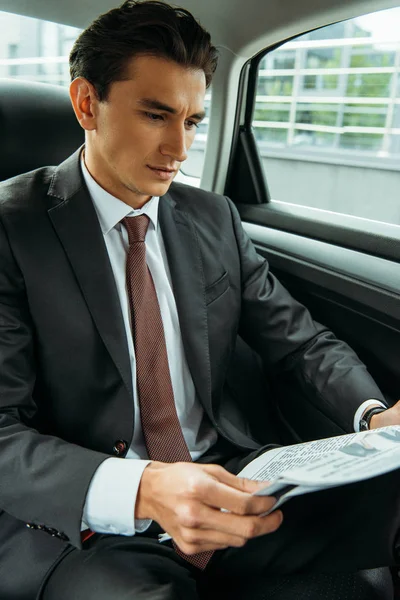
column 303, row 468
column 321, row 464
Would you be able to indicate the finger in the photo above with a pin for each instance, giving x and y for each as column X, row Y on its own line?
column 207, row 539
column 240, row 525
column 239, row 483
column 202, row 540
column 219, row 494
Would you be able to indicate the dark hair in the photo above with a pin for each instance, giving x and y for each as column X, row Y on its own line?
column 153, row 28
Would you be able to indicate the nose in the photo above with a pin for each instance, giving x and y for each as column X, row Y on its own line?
column 175, row 144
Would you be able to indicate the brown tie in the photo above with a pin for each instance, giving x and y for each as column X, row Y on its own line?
column 161, row 427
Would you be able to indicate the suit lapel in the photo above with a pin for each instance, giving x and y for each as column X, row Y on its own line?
column 75, row 221
column 76, row 224
column 186, row 268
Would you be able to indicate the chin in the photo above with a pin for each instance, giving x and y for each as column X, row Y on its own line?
column 158, row 189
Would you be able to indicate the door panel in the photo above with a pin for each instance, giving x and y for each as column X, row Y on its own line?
column 354, row 294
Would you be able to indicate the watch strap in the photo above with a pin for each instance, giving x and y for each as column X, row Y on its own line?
column 367, row 416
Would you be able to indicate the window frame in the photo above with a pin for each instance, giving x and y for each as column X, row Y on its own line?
column 246, row 184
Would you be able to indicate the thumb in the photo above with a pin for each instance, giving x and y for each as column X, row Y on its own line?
column 239, row 483
column 252, row 485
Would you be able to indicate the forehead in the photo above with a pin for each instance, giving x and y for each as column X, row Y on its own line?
column 164, row 80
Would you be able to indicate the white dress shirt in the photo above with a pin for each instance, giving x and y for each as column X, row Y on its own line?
column 111, row 498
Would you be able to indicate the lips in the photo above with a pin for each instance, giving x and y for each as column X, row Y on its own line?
column 166, row 169
column 162, row 173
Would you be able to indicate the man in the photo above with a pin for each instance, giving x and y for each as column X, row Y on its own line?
column 121, row 297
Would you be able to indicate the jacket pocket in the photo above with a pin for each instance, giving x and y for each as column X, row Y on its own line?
column 216, row 289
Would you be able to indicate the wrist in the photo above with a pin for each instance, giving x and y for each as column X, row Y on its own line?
column 372, row 417
column 147, row 490
column 380, row 420
column 374, row 422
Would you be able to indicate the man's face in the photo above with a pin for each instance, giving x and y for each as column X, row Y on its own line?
column 142, row 132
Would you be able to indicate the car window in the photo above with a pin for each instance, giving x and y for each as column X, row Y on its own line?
column 327, row 118
column 35, row 50
column 192, row 168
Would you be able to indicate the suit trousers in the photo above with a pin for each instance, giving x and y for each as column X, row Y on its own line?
column 327, row 537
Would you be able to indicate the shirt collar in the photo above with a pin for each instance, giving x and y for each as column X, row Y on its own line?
column 110, row 210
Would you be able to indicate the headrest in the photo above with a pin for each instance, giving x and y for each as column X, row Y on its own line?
column 38, row 126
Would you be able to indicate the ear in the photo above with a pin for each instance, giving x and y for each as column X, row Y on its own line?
column 84, row 101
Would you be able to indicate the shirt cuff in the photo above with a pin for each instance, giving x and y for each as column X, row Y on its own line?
column 111, row 498
column 362, row 409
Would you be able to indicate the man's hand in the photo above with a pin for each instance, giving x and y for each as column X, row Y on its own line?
column 391, row 416
column 186, row 498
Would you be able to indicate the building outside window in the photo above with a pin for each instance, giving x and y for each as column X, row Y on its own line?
column 35, row 50
column 336, row 88
column 327, row 118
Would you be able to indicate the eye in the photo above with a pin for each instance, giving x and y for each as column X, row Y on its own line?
column 154, row 116
column 192, row 124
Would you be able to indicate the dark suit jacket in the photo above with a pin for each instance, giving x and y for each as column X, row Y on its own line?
column 65, row 381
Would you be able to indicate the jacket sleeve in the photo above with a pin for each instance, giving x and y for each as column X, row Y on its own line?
column 326, row 371
column 43, row 479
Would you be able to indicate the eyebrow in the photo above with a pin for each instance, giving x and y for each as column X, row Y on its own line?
column 155, row 104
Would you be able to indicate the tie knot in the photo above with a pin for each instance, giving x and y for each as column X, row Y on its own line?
column 136, row 227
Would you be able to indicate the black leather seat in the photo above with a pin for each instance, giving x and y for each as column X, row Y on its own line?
column 374, row 584
column 37, row 128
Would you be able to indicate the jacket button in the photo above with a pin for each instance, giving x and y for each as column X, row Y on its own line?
column 120, row 447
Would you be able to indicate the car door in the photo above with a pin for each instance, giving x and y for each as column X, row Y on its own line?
column 315, row 173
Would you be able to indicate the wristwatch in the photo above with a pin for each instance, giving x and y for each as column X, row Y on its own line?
column 367, row 416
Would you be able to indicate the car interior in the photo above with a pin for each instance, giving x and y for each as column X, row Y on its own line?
column 303, row 134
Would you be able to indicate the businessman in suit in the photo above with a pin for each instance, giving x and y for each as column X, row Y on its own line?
column 121, row 297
